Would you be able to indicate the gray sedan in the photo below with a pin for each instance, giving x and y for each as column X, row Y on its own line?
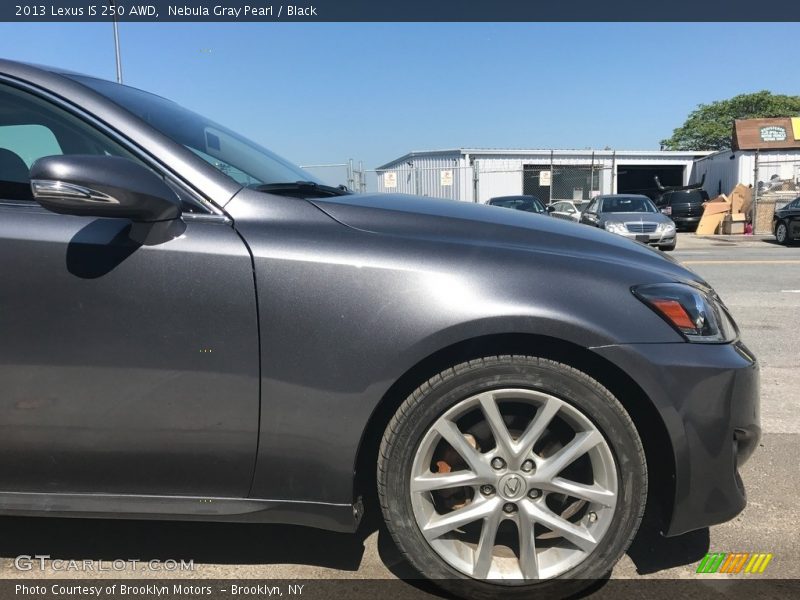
column 194, row 328
column 632, row 216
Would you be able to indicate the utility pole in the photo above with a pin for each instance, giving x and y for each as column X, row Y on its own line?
column 116, row 40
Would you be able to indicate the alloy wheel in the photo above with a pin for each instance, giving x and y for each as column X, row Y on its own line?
column 513, row 484
column 780, row 233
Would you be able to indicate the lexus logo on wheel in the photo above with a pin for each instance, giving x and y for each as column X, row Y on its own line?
column 511, row 486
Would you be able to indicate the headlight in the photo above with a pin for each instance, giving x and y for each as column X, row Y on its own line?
column 662, row 227
column 615, row 227
column 697, row 315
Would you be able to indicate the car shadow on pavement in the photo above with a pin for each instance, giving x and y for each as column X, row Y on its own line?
column 202, row 542
column 264, row 544
column 652, row 552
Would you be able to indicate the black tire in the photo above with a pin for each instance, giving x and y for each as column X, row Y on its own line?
column 435, row 396
column 782, row 228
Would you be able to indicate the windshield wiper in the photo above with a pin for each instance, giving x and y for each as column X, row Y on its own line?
column 302, row 189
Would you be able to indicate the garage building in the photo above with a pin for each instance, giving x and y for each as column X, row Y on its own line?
column 478, row 174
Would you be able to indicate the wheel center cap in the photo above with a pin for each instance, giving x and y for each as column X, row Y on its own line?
column 511, row 487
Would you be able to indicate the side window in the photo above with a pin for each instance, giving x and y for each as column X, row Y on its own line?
column 29, row 142
column 31, row 128
column 592, row 208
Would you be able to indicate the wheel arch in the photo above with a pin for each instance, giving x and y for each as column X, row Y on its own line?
column 658, row 447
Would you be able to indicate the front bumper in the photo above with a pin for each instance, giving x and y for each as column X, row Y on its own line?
column 708, row 398
column 693, row 220
column 659, row 239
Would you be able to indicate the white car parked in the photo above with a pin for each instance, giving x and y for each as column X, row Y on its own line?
column 567, row 209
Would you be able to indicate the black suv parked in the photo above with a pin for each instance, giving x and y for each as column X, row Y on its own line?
column 684, row 207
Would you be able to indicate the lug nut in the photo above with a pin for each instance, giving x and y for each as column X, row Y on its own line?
column 498, row 463
column 487, row 490
column 533, row 494
column 528, row 466
column 592, row 517
column 509, row 508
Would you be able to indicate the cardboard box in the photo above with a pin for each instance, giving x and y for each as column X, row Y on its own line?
column 731, row 226
column 708, row 223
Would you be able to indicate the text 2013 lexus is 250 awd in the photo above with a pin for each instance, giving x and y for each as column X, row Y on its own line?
column 194, row 328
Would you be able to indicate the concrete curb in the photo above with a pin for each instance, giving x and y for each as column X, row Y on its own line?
column 736, row 238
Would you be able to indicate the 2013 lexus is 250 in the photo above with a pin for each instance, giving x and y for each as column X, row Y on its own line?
column 194, row 328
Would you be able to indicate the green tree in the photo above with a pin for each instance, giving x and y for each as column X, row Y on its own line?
column 709, row 127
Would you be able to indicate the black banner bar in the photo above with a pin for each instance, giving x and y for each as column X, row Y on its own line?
column 399, row 11
column 746, row 587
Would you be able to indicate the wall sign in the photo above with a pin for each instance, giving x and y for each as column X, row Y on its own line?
column 544, row 178
column 773, row 133
column 446, row 178
column 390, row 179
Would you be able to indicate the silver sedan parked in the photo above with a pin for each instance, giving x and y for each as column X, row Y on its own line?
column 632, row 216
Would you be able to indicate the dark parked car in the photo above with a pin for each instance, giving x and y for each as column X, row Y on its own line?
column 632, row 216
column 681, row 203
column 194, row 328
column 526, row 203
column 684, row 207
column 786, row 222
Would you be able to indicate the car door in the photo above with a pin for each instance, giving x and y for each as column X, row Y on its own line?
column 124, row 368
column 793, row 219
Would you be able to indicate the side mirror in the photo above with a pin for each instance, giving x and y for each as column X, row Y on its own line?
column 550, row 208
column 103, row 186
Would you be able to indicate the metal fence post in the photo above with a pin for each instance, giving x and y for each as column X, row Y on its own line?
column 475, row 179
column 755, row 193
column 613, row 172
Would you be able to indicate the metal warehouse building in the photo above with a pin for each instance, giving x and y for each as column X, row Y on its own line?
column 477, row 174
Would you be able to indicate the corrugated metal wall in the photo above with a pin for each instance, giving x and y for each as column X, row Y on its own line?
column 499, row 174
column 426, row 175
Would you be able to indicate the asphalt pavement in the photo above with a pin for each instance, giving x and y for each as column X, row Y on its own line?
column 758, row 280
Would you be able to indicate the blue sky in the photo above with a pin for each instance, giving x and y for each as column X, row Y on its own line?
column 319, row 93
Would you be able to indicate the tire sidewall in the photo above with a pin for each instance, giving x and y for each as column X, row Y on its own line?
column 565, row 383
column 785, row 239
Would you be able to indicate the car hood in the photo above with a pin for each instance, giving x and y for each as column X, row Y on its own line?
column 634, row 217
column 471, row 224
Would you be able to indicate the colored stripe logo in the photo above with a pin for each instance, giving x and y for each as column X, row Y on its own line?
column 734, row 562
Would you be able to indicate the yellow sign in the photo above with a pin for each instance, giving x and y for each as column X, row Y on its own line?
column 796, row 128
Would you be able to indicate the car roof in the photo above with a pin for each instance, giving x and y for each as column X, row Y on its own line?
column 517, row 197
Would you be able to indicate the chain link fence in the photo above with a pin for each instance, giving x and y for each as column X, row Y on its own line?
column 777, row 182
column 350, row 174
column 552, row 183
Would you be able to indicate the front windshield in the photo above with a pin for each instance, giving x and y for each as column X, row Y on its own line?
column 628, row 204
column 244, row 161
